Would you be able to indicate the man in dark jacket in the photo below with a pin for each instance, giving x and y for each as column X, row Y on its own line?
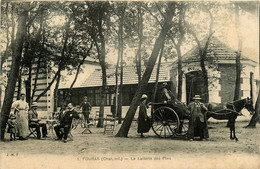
column 86, row 108
column 198, row 121
column 34, row 121
column 65, row 122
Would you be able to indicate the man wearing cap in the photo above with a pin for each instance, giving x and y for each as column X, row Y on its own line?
column 21, row 111
column 34, row 121
column 198, row 121
column 143, row 119
column 86, row 108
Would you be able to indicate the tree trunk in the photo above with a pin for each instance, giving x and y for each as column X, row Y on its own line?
column 49, row 86
column 56, row 92
column 16, row 61
column 256, row 116
column 115, row 102
column 238, row 55
column 36, row 78
column 157, row 75
column 123, row 131
column 28, row 86
column 140, row 37
column 76, row 76
column 238, row 77
column 19, row 84
column 121, row 46
column 180, row 73
column 178, row 49
column 120, row 97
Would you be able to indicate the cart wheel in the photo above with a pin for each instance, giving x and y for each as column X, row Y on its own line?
column 185, row 126
column 165, row 122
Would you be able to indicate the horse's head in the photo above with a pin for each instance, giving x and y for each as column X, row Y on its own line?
column 249, row 105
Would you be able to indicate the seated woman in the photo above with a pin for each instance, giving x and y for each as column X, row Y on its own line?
column 180, row 108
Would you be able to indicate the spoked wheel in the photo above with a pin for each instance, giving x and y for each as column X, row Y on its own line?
column 165, row 122
column 185, row 127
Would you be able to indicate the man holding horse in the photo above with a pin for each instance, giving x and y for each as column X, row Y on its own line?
column 198, row 121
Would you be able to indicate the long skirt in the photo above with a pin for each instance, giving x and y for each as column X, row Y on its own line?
column 22, row 124
column 143, row 125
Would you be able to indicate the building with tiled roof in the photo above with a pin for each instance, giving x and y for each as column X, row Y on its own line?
column 92, row 84
column 221, row 67
column 220, row 64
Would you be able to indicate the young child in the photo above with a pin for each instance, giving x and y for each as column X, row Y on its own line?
column 12, row 127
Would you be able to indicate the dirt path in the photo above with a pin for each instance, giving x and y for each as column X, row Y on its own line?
column 99, row 149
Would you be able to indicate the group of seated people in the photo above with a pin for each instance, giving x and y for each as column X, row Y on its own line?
column 22, row 122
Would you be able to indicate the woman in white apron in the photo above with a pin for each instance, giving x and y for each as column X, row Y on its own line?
column 21, row 111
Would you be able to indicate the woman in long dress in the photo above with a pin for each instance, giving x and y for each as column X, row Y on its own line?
column 143, row 119
column 21, row 111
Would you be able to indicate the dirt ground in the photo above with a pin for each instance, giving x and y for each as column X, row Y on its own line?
column 97, row 150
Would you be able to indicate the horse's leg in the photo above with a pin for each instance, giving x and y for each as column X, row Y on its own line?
column 234, row 131
column 231, row 128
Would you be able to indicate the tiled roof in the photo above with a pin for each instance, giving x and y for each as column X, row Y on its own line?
column 129, row 76
column 216, row 50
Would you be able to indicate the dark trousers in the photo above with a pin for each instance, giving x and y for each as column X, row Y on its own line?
column 86, row 116
column 38, row 126
column 12, row 135
column 198, row 127
column 60, row 133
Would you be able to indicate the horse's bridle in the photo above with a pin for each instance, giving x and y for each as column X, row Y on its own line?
column 247, row 105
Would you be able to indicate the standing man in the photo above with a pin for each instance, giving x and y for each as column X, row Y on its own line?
column 21, row 110
column 198, row 121
column 65, row 122
column 34, row 121
column 86, row 108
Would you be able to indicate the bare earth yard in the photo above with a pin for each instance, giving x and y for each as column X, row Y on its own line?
column 97, row 150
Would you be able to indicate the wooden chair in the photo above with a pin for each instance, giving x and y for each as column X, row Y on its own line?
column 86, row 130
column 32, row 132
column 72, row 127
column 109, row 124
column 96, row 118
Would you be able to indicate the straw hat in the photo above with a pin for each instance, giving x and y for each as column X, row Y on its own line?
column 196, row 97
column 144, row 96
column 164, row 84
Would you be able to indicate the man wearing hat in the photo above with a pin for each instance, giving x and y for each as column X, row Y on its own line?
column 86, row 109
column 198, row 121
column 34, row 121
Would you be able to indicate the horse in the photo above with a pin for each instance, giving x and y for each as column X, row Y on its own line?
column 229, row 112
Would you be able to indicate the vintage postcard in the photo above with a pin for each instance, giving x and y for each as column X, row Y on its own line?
column 130, row 84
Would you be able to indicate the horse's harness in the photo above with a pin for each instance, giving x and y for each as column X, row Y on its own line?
column 228, row 111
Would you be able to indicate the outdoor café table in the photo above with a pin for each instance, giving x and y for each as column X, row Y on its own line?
column 51, row 124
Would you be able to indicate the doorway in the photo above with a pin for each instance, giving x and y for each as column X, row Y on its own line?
column 195, row 86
